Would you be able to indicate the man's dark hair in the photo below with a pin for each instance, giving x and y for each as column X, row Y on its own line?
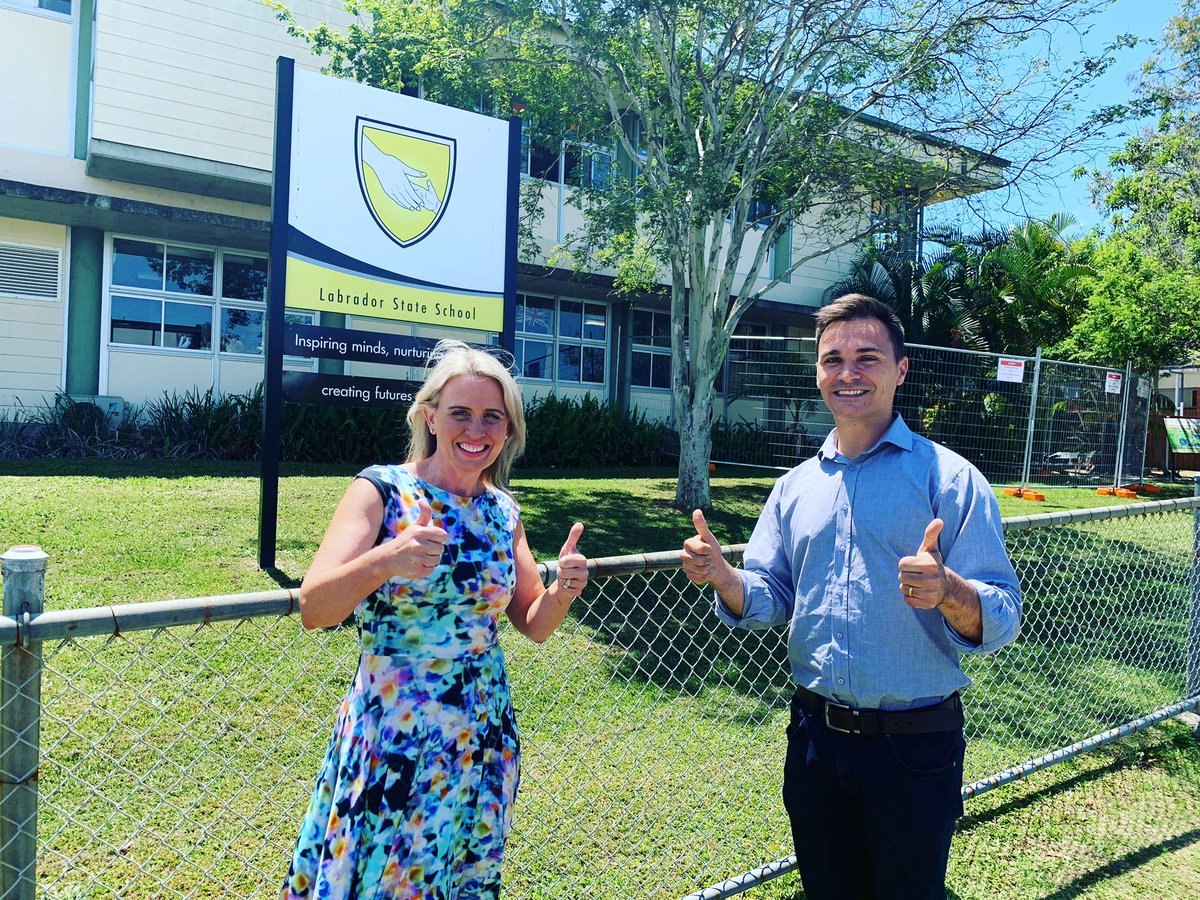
column 860, row 306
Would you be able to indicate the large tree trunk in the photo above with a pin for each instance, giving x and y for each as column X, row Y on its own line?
column 696, row 371
column 695, row 448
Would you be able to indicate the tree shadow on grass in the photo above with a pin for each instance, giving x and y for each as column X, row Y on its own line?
column 1103, row 643
column 615, row 526
column 970, row 821
column 1124, row 864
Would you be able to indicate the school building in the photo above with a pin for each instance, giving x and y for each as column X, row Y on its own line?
column 136, row 145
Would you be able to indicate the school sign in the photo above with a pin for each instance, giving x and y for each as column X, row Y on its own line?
column 388, row 207
column 397, row 207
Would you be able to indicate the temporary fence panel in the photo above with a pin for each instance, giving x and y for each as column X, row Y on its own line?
column 1016, row 418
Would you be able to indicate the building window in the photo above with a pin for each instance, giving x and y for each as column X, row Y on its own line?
column 561, row 340
column 62, row 7
column 893, row 223
column 538, row 161
column 244, row 295
column 650, row 355
column 572, row 163
column 587, row 165
column 170, row 297
column 742, row 352
column 651, row 351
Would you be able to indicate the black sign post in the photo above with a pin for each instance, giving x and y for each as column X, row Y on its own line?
column 268, row 495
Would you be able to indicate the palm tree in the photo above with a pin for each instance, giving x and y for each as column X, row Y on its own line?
column 1021, row 283
column 924, row 292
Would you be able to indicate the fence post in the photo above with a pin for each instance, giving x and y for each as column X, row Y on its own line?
column 24, row 572
column 1033, row 399
column 1119, row 459
column 1193, row 649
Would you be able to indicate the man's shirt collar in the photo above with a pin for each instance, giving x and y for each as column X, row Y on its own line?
column 898, row 435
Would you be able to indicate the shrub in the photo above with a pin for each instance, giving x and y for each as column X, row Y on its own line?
column 343, row 434
column 70, row 429
column 205, row 425
column 571, row 432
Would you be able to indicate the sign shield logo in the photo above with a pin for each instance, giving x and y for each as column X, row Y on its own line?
column 406, row 177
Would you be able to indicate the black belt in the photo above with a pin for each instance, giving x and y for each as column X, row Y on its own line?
column 944, row 716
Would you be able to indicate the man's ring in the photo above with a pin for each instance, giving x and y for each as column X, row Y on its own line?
column 910, row 590
column 567, row 583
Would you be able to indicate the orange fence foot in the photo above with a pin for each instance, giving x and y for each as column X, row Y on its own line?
column 1024, row 493
column 1143, row 488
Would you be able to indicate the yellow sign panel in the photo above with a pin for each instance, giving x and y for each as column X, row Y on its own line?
column 406, row 178
column 314, row 287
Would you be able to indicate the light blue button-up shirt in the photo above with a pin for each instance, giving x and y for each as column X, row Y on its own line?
column 824, row 559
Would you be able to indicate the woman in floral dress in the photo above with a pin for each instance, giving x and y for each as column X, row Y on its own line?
column 414, row 799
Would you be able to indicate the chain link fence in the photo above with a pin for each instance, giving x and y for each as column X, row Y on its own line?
column 167, row 750
column 1020, row 420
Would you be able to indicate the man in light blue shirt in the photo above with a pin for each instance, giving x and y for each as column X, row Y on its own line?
column 884, row 555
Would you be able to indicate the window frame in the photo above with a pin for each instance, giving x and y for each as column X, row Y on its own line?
column 651, row 350
column 31, row 7
column 559, row 342
column 563, row 176
column 216, row 302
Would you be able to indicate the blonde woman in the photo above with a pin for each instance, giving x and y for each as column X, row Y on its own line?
column 415, row 795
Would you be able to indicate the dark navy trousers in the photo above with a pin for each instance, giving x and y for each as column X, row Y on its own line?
column 872, row 817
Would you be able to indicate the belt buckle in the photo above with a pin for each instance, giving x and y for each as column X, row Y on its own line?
column 855, row 716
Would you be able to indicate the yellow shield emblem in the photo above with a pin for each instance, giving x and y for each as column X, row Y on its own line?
column 405, row 176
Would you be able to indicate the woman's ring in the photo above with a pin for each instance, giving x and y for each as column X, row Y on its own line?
column 567, row 583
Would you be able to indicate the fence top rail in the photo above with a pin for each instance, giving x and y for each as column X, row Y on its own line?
column 1045, row 520
column 908, row 345
column 115, row 619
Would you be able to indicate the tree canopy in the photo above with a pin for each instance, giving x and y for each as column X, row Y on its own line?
column 1138, row 309
column 1143, row 299
column 752, row 135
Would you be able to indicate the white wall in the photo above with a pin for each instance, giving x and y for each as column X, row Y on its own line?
column 142, row 375
column 36, row 72
column 805, row 287
column 32, row 340
column 196, row 78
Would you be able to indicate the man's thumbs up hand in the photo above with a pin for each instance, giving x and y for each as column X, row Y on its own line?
column 701, row 553
column 922, row 576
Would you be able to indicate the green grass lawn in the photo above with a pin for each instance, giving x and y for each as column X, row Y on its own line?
column 179, row 761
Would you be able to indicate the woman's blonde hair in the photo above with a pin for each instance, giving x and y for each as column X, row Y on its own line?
column 450, row 359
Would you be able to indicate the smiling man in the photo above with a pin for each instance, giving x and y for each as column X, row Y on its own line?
column 884, row 556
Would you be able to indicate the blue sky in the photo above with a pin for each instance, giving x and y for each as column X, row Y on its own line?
column 1144, row 18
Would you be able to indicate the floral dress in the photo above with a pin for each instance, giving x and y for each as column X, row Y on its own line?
column 415, row 795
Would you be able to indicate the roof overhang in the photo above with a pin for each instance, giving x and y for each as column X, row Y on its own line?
column 61, row 206
column 174, row 172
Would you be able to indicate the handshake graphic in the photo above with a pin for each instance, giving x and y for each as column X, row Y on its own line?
column 401, row 181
